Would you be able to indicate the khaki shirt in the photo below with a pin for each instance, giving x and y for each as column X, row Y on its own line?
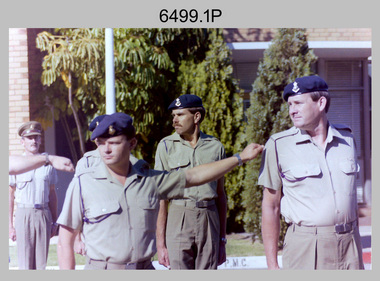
column 174, row 153
column 33, row 187
column 122, row 219
column 320, row 185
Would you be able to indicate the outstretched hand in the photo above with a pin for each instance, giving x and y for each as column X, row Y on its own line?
column 61, row 163
column 251, row 151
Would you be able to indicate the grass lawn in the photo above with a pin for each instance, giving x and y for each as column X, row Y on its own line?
column 239, row 245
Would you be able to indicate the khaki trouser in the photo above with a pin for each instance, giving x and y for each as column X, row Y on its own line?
column 104, row 265
column 33, row 230
column 192, row 236
column 308, row 248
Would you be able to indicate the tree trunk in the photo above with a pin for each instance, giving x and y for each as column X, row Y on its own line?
column 76, row 118
column 69, row 139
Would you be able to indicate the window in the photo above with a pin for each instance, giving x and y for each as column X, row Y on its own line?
column 345, row 80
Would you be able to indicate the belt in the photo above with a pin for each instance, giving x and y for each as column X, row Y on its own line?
column 114, row 266
column 338, row 228
column 33, row 206
column 192, row 204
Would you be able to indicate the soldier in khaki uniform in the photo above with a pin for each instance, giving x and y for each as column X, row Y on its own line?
column 191, row 233
column 91, row 159
column 36, row 199
column 115, row 205
column 314, row 165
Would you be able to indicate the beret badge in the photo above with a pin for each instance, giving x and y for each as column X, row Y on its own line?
column 111, row 130
column 295, row 87
column 178, row 102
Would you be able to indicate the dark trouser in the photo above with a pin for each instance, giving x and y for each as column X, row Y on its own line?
column 321, row 248
column 104, row 265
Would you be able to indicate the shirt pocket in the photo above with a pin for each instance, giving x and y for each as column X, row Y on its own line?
column 102, row 210
column 349, row 166
column 23, row 180
column 301, row 172
column 178, row 162
column 146, row 213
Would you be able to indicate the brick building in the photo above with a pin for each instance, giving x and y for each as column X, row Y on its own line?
column 343, row 61
column 18, row 86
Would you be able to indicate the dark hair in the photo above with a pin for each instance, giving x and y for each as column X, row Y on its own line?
column 318, row 94
column 200, row 109
column 130, row 133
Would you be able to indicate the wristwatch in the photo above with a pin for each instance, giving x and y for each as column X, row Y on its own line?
column 239, row 159
column 47, row 162
column 223, row 240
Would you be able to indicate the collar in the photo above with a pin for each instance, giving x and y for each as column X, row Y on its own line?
column 101, row 172
column 202, row 138
column 302, row 136
column 332, row 132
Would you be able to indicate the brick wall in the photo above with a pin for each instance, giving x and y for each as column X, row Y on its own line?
column 339, row 34
column 314, row 34
column 18, row 86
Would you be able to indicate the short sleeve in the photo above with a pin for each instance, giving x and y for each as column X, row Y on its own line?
column 269, row 175
column 71, row 214
column 170, row 184
column 53, row 176
column 160, row 159
column 12, row 180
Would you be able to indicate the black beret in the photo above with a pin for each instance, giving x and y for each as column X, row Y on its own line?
column 306, row 84
column 94, row 123
column 114, row 125
column 186, row 101
column 31, row 128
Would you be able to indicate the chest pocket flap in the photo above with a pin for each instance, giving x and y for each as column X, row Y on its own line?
column 302, row 171
column 102, row 209
column 177, row 162
column 22, row 180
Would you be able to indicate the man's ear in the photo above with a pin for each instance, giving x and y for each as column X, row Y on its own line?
column 133, row 143
column 322, row 103
column 197, row 117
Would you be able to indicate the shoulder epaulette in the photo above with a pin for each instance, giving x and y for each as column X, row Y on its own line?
column 87, row 170
column 342, row 127
column 172, row 137
column 289, row 132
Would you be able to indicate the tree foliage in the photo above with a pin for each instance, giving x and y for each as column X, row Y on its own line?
column 146, row 64
column 152, row 68
column 287, row 57
column 72, row 55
